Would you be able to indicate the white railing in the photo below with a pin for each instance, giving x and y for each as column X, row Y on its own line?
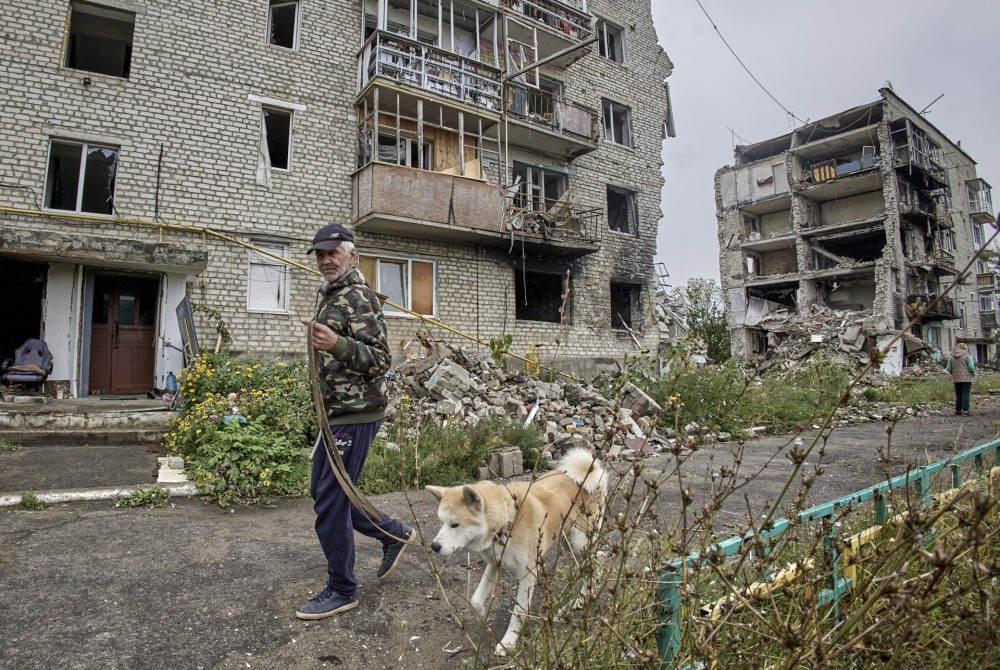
column 431, row 69
column 565, row 17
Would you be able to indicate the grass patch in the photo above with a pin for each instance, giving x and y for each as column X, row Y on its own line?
column 6, row 446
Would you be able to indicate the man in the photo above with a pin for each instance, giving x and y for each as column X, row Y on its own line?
column 349, row 336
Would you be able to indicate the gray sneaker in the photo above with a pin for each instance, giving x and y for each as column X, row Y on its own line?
column 392, row 552
column 327, row 603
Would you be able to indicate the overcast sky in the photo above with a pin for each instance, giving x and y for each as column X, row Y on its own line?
column 817, row 59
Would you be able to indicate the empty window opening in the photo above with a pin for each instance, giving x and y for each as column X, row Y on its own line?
column 540, row 296
column 278, row 137
column 611, row 41
column 756, row 342
column 407, row 282
column 622, row 215
column 283, row 23
column 617, row 123
column 100, row 39
column 624, row 305
column 81, row 178
column 267, row 283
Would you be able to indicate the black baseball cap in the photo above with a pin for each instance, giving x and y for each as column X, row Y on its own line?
column 330, row 236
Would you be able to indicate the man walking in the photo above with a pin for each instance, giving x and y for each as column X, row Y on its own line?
column 349, row 336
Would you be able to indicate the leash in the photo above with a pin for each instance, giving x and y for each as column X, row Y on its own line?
column 356, row 497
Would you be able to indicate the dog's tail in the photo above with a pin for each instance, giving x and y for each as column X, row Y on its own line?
column 585, row 469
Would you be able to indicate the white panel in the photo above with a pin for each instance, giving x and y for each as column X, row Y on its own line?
column 761, row 181
column 743, row 192
column 61, row 316
column 169, row 358
column 727, row 186
column 780, row 180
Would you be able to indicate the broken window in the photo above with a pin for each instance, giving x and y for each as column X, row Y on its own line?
column 283, row 23
column 622, row 215
column 624, row 305
column 541, row 296
column 267, row 282
column 407, row 282
column 539, row 189
column 81, row 178
column 405, row 151
column 100, row 39
column 611, row 41
column 277, row 137
column 617, row 123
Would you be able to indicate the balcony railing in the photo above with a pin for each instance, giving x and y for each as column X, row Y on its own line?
column 943, row 260
column 542, row 109
column 565, row 17
column 558, row 224
column 410, row 62
column 930, row 308
column 988, row 318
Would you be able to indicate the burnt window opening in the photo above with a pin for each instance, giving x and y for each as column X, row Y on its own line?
column 283, row 23
column 540, row 296
column 81, row 178
column 278, row 130
column 100, row 40
column 756, row 342
column 624, row 305
column 622, row 215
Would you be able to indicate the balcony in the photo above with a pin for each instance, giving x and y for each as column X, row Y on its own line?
column 543, row 122
column 916, row 156
column 400, row 60
column 409, row 202
column 549, row 26
column 943, row 263
column 929, row 308
column 980, row 201
column 988, row 318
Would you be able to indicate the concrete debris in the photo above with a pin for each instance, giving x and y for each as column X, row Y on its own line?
column 453, row 384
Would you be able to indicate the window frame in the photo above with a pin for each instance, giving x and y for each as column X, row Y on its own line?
column 521, row 290
column 635, row 305
column 404, row 158
column 632, row 213
column 533, row 195
column 296, row 29
column 375, row 281
column 621, row 52
column 609, row 108
column 256, row 259
column 81, row 176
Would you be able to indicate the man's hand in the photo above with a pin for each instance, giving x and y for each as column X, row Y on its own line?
column 323, row 338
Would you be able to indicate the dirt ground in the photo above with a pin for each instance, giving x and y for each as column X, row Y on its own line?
column 86, row 585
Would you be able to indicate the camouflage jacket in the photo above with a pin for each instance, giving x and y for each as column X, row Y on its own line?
column 352, row 374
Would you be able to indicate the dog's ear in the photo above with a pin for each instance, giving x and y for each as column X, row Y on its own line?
column 471, row 498
column 436, row 491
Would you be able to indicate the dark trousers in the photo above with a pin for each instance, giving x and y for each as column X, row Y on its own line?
column 336, row 517
column 962, row 392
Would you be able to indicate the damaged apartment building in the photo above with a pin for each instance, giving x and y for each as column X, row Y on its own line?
column 498, row 162
column 848, row 229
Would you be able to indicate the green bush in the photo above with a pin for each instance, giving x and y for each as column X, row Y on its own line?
column 144, row 496
column 256, row 459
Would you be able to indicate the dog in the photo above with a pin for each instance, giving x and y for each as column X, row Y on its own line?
column 512, row 525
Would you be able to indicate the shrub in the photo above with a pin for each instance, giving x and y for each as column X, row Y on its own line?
column 144, row 496
column 258, row 454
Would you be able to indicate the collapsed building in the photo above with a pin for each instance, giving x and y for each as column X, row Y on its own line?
column 862, row 222
column 497, row 160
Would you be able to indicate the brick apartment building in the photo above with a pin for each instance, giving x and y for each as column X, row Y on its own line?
column 872, row 211
column 498, row 160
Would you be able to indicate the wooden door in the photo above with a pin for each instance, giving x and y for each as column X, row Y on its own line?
column 122, row 335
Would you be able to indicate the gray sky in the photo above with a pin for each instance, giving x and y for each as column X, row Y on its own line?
column 817, row 59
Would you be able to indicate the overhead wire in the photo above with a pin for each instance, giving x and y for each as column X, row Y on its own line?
column 740, row 61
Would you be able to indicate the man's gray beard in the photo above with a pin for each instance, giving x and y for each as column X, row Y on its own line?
column 328, row 282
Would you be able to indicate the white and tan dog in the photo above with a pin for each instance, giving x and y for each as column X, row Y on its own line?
column 512, row 525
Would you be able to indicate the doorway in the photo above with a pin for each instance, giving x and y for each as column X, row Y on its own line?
column 123, row 334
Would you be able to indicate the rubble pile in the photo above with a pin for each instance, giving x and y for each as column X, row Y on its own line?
column 845, row 337
column 451, row 383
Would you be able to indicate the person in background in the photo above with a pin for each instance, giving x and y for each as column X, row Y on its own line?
column 963, row 370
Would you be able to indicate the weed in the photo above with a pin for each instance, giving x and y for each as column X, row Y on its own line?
column 144, row 496
column 6, row 446
column 30, row 501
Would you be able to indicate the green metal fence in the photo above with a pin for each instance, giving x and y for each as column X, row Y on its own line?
column 843, row 574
